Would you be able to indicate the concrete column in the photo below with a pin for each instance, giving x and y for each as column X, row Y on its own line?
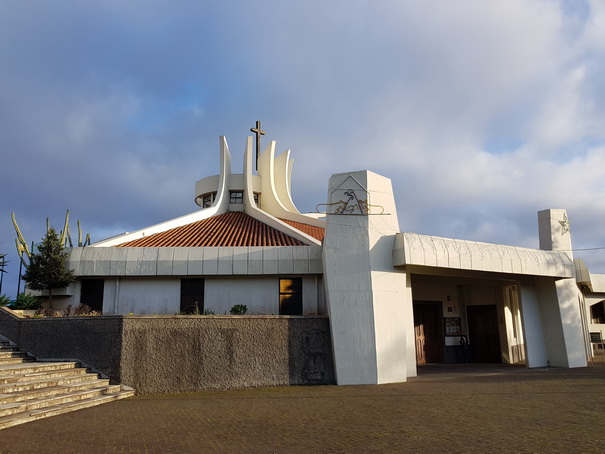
column 559, row 301
column 551, row 323
column 410, row 335
column 535, row 348
column 369, row 301
column 554, row 231
column 569, row 351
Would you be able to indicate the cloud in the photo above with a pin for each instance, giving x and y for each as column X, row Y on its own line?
column 481, row 113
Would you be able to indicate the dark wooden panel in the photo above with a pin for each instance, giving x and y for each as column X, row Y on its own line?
column 484, row 338
column 428, row 321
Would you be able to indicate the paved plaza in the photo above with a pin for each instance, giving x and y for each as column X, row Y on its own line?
column 446, row 409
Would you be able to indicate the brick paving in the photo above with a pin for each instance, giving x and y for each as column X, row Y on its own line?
column 446, row 409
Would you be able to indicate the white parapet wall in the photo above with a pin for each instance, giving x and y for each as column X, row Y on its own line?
column 195, row 261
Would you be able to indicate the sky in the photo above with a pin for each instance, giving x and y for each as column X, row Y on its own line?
column 481, row 113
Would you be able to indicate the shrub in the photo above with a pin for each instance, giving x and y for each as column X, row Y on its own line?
column 44, row 312
column 82, row 309
column 239, row 309
column 27, row 302
column 4, row 300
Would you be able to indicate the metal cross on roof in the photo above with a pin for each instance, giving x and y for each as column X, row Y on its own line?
column 259, row 132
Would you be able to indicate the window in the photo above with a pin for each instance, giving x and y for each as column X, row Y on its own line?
column 597, row 313
column 237, row 197
column 290, row 296
column 257, row 199
column 208, row 199
column 91, row 294
column 192, row 296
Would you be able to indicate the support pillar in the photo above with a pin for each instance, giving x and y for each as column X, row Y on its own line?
column 369, row 300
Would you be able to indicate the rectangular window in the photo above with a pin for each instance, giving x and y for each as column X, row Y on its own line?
column 256, row 199
column 597, row 313
column 207, row 199
column 237, row 197
column 91, row 294
column 192, row 296
column 290, row 296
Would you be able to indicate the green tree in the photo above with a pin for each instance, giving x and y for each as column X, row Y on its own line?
column 47, row 269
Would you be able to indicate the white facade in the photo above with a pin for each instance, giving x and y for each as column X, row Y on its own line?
column 150, row 296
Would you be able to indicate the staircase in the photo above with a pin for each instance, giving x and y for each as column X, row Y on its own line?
column 31, row 389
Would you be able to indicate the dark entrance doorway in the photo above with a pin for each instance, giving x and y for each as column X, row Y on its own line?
column 428, row 317
column 483, row 335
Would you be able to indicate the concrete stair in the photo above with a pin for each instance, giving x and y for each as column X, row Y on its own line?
column 31, row 389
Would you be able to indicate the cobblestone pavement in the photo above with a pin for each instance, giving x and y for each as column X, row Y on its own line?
column 446, row 409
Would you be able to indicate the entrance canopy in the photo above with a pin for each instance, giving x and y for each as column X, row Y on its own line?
column 532, row 294
column 431, row 251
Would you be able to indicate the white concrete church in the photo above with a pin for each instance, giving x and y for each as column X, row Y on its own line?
column 394, row 300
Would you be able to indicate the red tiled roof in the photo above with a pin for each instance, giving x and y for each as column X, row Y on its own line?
column 230, row 229
column 316, row 232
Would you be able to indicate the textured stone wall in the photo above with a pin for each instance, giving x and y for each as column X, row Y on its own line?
column 9, row 324
column 181, row 353
column 158, row 354
column 95, row 341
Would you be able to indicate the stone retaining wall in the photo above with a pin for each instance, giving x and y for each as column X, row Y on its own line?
column 170, row 354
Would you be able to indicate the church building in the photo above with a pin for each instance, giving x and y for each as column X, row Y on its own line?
column 394, row 299
column 247, row 244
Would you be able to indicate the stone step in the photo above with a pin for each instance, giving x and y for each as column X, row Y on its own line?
column 45, row 382
column 39, row 366
column 12, row 354
column 31, row 389
column 27, row 416
column 49, row 401
column 26, row 359
column 14, row 378
column 18, row 396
